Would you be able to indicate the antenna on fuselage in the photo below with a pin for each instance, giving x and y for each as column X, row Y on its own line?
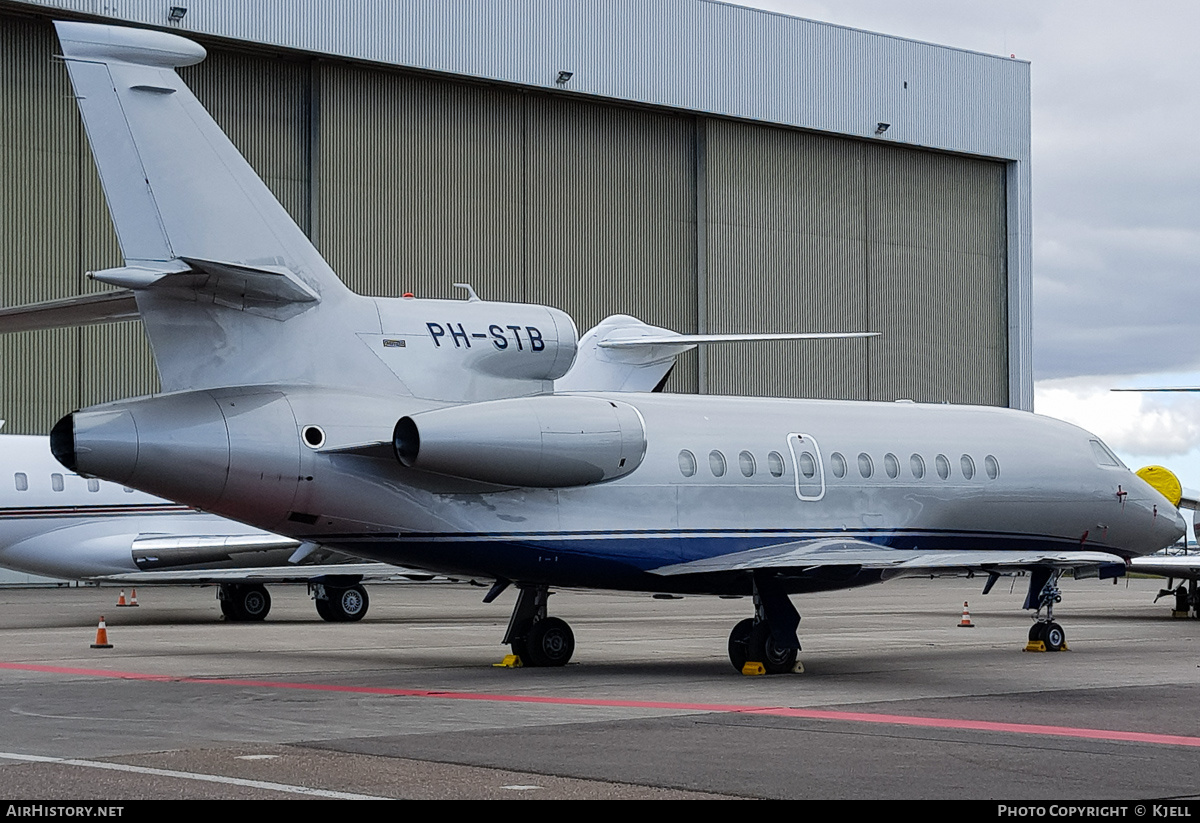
column 472, row 297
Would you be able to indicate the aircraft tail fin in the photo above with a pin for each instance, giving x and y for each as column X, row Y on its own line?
column 195, row 197
column 212, row 258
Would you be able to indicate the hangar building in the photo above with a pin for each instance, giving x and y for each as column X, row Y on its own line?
column 701, row 165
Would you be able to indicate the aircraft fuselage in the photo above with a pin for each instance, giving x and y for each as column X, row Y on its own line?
column 718, row 475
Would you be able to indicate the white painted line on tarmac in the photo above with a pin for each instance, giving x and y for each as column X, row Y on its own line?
column 206, row 778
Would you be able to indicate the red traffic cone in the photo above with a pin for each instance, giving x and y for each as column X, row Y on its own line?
column 966, row 623
column 102, row 636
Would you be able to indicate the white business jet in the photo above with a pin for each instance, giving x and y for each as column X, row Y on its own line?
column 432, row 433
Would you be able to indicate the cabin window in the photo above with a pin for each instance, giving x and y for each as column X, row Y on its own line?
column 56, row 482
column 22, row 481
column 943, row 466
column 838, row 462
column 128, row 490
column 93, row 485
column 968, row 466
column 716, row 463
column 808, row 466
column 747, row 464
column 916, row 464
column 865, row 467
column 992, row 467
column 775, row 464
column 891, row 465
column 687, row 464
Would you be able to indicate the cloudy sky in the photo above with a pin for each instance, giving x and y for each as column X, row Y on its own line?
column 1116, row 199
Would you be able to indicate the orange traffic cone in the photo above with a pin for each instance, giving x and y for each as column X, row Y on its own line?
column 102, row 636
column 133, row 597
column 121, row 600
column 966, row 623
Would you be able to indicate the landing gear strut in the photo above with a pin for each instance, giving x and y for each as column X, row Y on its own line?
column 243, row 603
column 769, row 637
column 537, row 639
column 1045, row 634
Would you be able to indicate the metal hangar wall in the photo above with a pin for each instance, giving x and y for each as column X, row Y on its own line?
column 706, row 167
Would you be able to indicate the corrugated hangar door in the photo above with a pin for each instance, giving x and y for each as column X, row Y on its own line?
column 611, row 226
column 808, row 232
column 420, row 184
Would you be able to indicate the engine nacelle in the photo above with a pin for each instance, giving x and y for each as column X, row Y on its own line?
column 232, row 451
column 549, row 441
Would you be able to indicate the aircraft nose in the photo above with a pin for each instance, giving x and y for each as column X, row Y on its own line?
column 1168, row 525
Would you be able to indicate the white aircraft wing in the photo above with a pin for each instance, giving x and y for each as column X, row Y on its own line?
column 807, row 555
column 1171, row 565
column 272, row 574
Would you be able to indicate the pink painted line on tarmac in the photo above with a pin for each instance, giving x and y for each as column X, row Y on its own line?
column 772, row 711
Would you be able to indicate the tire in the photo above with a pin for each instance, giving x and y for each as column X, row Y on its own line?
column 230, row 610
column 253, row 602
column 345, row 605
column 323, row 610
column 1037, row 632
column 550, row 643
column 763, row 650
column 739, row 641
column 1055, row 638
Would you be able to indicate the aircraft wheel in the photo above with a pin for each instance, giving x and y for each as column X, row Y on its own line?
column 1037, row 632
column 230, row 610
column 253, row 602
column 550, row 643
column 346, row 605
column 762, row 649
column 1055, row 638
column 739, row 643
column 323, row 610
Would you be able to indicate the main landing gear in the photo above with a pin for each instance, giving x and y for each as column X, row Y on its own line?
column 1045, row 635
column 339, row 603
column 242, row 602
column 537, row 639
column 769, row 637
column 1187, row 598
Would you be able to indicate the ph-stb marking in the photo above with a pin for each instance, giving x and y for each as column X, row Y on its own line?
column 497, row 335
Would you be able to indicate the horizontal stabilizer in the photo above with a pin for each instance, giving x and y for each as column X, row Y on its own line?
column 251, row 288
column 84, row 310
column 618, row 341
column 621, row 353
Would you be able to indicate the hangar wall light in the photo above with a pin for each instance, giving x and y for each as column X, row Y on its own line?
column 563, row 77
column 176, row 13
column 882, row 127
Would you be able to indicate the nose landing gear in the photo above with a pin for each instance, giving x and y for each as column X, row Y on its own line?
column 1045, row 635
